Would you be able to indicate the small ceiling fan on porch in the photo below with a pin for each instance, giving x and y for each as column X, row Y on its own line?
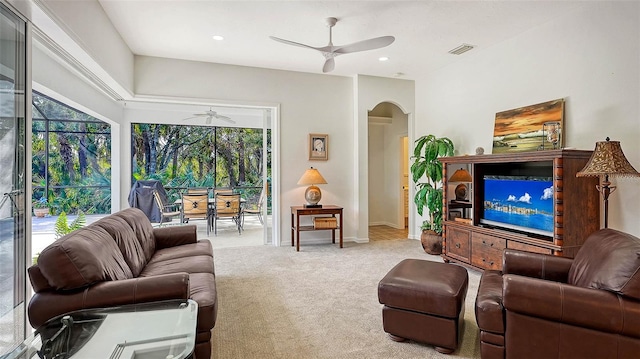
column 210, row 115
column 331, row 51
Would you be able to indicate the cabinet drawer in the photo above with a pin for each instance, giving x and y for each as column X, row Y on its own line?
column 490, row 241
column 458, row 243
column 527, row 247
column 487, row 251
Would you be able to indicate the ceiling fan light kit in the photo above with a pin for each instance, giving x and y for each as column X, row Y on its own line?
column 330, row 51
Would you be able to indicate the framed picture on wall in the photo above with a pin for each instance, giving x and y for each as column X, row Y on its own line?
column 318, row 147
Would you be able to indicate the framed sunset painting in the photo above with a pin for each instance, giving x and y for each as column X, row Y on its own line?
column 530, row 128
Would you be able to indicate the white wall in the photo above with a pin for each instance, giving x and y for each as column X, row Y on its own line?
column 56, row 81
column 50, row 74
column 394, row 168
column 84, row 30
column 377, row 196
column 591, row 58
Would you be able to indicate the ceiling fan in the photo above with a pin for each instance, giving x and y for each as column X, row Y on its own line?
column 330, row 51
column 210, row 115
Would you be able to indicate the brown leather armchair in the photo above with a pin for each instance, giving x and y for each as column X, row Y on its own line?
column 541, row 306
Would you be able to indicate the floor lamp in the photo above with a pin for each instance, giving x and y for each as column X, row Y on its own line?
column 607, row 160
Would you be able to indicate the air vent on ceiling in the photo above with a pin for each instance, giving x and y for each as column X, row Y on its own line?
column 461, row 49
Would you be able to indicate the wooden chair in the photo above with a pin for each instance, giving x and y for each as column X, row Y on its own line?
column 222, row 191
column 167, row 210
column 196, row 206
column 257, row 208
column 227, row 206
column 196, row 190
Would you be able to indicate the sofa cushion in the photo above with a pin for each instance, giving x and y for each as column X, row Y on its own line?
column 142, row 228
column 81, row 258
column 126, row 240
column 608, row 260
column 200, row 248
column 193, row 264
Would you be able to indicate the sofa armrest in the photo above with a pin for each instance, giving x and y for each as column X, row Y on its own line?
column 557, row 302
column 48, row 304
column 536, row 265
column 488, row 307
column 175, row 236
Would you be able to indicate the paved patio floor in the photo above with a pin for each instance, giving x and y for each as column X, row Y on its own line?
column 43, row 232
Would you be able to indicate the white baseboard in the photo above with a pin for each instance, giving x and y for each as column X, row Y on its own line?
column 384, row 223
column 304, row 241
column 361, row 240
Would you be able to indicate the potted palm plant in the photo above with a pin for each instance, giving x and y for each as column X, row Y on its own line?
column 426, row 172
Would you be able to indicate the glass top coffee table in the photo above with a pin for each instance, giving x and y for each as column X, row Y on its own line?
column 164, row 330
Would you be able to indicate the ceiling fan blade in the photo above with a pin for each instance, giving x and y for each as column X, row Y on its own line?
column 288, row 42
column 225, row 118
column 365, row 45
column 329, row 65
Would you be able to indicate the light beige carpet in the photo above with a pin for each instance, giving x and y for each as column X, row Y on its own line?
column 321, row 302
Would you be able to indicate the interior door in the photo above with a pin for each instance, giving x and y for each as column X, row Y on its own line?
column 13, row 88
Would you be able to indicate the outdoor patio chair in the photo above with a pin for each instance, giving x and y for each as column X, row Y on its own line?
column 222, row 191
column 255, row 209
column 197, row 190
column 167, row 210
column 195, row 206
column 227, row 206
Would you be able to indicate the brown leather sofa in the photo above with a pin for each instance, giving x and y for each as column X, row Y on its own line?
column 121, row 259
column 542, row 306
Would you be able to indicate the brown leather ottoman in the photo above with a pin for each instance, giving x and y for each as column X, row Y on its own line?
column 424, row 301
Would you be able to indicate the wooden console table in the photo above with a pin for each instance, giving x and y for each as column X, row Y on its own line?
column 297, row 211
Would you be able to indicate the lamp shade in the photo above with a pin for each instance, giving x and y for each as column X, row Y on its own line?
column 608, row 160
column 311, row 176
column 461, row 175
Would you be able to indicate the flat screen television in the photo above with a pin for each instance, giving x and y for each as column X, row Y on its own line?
column 519, row 203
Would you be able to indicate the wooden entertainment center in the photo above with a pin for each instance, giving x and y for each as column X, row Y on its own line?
column 576, row 207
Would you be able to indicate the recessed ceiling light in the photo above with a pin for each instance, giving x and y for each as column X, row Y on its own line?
column 383, row 58
column 218, row 37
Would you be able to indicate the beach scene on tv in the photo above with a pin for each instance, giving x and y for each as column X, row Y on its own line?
column 520, row 203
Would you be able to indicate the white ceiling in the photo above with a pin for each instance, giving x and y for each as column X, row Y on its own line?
column 424, row 30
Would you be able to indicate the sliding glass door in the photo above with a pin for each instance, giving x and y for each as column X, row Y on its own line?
column 13, row 88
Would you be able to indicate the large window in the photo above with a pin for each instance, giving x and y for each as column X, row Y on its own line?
column 199, row 156
column 71, row 158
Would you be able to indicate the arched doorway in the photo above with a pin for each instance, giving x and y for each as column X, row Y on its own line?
column 388, row 171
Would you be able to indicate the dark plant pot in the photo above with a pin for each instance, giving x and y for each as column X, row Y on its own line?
column 431, row 242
